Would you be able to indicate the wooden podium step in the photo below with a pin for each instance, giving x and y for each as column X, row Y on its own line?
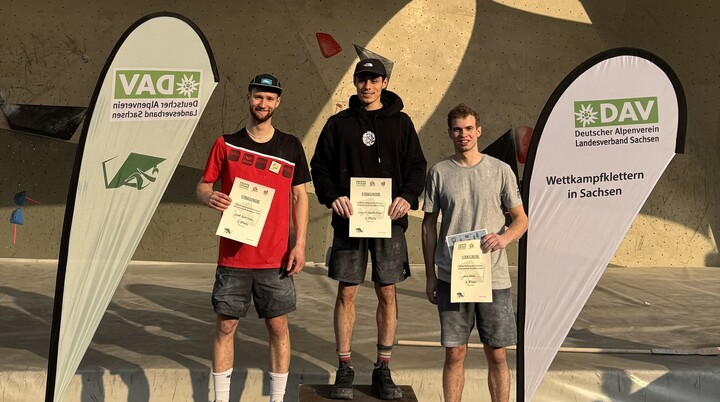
column 321, row 393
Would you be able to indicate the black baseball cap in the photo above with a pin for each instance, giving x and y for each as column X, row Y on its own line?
column 370, row 66
column 266, row 82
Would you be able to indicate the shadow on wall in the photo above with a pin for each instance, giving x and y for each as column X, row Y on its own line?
column 640, row 385
column 671, row 387
column 688, row 193
column 35, row 311
column 510, row 87
column 180, row 333
column 698, row 385
column 513, row 62
column 42, row 166
column 713, row 259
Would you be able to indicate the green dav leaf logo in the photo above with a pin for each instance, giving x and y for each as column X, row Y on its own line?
column 616, row 112
column 138, row 171
column 156, row 84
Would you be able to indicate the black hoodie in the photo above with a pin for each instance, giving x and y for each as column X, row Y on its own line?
column 360, row 143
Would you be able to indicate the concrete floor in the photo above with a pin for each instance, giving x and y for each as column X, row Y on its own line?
column 153, row 343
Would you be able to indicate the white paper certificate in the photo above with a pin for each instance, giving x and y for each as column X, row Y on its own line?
column 244, row 219
column 450, row 240
column 471, row 277
column 370, row 198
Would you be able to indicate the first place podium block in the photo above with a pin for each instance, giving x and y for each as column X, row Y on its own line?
column 321, row 393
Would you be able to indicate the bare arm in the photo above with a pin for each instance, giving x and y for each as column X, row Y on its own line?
column 429, row 242
column 296, row 259
column 518, row 226
column 213, row 199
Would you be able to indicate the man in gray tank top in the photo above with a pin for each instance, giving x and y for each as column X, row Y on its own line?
column 469, row 190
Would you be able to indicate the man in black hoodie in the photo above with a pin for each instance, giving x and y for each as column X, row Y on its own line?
column 372, row 138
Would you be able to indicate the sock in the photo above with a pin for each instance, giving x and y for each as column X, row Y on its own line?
column 222, row 385
column 383, row 355
column 344, row 357
column 278, row 382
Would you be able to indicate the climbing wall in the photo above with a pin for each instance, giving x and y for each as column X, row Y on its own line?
column 503, row 58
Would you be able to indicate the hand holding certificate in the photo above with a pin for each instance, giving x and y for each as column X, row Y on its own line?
column 471, row 277
column 244, row 219
column 370, row 199
column 452, row 239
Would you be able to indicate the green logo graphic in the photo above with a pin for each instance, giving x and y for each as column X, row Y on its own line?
column 156, row 84
column 616, row 112
column 137, row 171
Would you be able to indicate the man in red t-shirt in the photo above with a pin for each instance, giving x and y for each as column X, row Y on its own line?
column 263, row 155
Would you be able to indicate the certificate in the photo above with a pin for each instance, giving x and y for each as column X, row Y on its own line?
column 370, row 199
column 471, row 277
column 244, row 219
column 450, row 240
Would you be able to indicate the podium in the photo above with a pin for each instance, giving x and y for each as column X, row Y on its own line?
column 361, row 393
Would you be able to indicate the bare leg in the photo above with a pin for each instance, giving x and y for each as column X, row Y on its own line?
column 454, row 373
column 279, row 340
column 386, row 314
column 345, row 315
column 498, row 374
column 224, row 343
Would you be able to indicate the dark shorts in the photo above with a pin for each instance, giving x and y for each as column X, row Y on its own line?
column 495, row 321
column 270, row 290
column 349, row 258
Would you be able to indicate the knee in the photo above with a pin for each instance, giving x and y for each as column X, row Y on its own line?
column 346, row 294
column 455, row 355
column 226, row 327
column 277, row 326
column 385, row 293
column 495, row 356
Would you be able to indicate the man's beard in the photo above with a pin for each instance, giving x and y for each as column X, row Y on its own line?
column 258, row 118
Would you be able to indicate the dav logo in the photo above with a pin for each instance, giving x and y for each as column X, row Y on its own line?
column 156, row 84
column 138, row 171
column 616, row 112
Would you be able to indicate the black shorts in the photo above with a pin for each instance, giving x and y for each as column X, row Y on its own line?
column 272, row 292
column 349, row 258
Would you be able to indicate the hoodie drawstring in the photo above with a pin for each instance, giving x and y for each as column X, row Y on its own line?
column 377, row 137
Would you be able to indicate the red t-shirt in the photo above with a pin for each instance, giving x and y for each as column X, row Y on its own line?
column 280, row 164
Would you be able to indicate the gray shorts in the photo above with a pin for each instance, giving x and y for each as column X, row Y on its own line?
column 272, row 292
column 349, row 258
column 495, row 321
